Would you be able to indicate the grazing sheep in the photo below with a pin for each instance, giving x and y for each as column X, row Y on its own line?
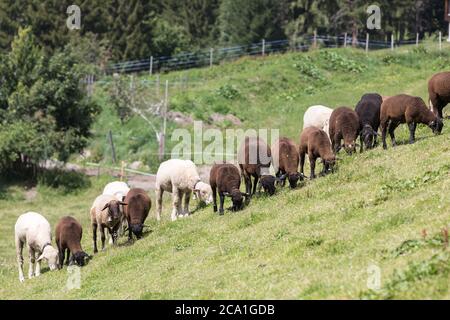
column 344, row 124
column 106, row 213
column 34, row 230
column 317, row 116
column 226, row 179
column 439, row 91
column 316, row 144
column 136, row 211
column 368, row 110
column 285, row 159
column 407, row 109
column 68, row 234
column 254, row 157
column 118, row 189
column 180, row 177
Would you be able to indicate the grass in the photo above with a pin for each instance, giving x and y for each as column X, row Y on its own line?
column 316, row 242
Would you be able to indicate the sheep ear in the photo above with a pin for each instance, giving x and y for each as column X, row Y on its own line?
column 40, row 258
column 106, row 206
column 283, row 177
column 123, row 203
column 227, row 194
column 245, row 194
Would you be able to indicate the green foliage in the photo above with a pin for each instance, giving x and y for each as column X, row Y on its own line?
column 308, row 68
column 44, row 110
column 228, row 91
column 336, row 61
column 64, row 181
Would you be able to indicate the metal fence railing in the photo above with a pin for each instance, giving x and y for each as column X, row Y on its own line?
column 210, row 57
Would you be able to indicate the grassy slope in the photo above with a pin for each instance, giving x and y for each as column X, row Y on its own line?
column 315, row 242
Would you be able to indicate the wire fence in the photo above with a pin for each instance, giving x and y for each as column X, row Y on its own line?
column 212, row 56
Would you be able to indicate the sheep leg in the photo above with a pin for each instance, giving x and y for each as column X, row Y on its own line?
column 19, row 252
column 312, row 164
column 248, row 184
column 255, row 184
column 302, row 162
column 94, row 237
column 187, row 199
column 214, row 194
column 222, row 200
column 384, row 127
column 175, row 204
column 102, row 237
column 392, row 126
column 159, row 196
column 32, row 257
column 412, row 132
column 361, row 143
column 336, row 144
column 37, row 271
column 67, row 257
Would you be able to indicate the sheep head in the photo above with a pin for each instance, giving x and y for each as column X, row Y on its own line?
column 237, row 197
column 50, row 254
column 137, row 229
column 203, row 192
column 80, row 258
column 369, row 135
column 268, row 184
column 437, row 125
column 114, row 212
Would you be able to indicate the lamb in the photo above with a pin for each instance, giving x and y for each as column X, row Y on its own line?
column 317, row 116
column 439, row 92
column 118, row 189
column 136, row 211
column 180, row 177
column 368, row 110
column 226, row 179
column 407, row 109
column 106, row 213
column 68, row 234
column 344, row 124
column 254, row 157
column 285, row 159
column 34, row 230
column 315, row 143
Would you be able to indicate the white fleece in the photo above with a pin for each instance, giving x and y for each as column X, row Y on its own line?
column 118, row 189
column 319, row 117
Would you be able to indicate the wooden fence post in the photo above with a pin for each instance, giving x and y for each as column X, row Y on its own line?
column 315, row 39
column 417, row 40
column 345, row 40
column 211, row 57
column 392, row 42
column 367, row 43
column 263, row 47
column 440, row 40
column 150, row 71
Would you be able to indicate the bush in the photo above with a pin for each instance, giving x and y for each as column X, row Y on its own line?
column 66, row 181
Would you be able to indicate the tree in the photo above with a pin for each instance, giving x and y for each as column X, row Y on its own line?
column 245, row 22
column 44, row 111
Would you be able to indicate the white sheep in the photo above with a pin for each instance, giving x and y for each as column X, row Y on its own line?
column 34, row 230
column 181, row 178
column 118, row 189
column 319, row 117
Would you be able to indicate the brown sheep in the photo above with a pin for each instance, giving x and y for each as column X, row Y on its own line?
column 344, row 124
column 315, row 143
column 285, row 160
column 406, row 109
column 226, row 179
column 439, row 92
column 254, row 159
column 68, row 234
column 136, row 211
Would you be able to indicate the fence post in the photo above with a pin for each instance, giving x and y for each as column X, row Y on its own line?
column 263, row 47
column 162, row 136
column 367, row 43
column 417, row 40
column 315, row 39
column 150, row 71
column 345, row 40
column 211, row 57
column 392, row 42
column 111, row 143
column 440, row 40
column 448, row 40
column 157, row 85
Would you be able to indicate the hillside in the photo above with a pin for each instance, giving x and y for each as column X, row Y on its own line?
column 315, row 242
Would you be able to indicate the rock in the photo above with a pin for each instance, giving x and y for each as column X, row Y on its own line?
column 136, row 165
column 217, row 117
column 179, row 118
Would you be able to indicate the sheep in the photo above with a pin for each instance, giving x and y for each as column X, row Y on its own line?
column 285, row 159
column 407, row 109
column 136, row 211
column 105, row 213
column 439, row 92
column 68, row 234
column 317, row 116
column 344, row 124
column 254, row 157
column 368, row 110
column 180, row 177
column 315, row 143
column 34, row 230
column 226, row 179
column 118, row 189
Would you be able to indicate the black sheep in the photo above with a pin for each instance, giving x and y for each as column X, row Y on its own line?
column 368, row 110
